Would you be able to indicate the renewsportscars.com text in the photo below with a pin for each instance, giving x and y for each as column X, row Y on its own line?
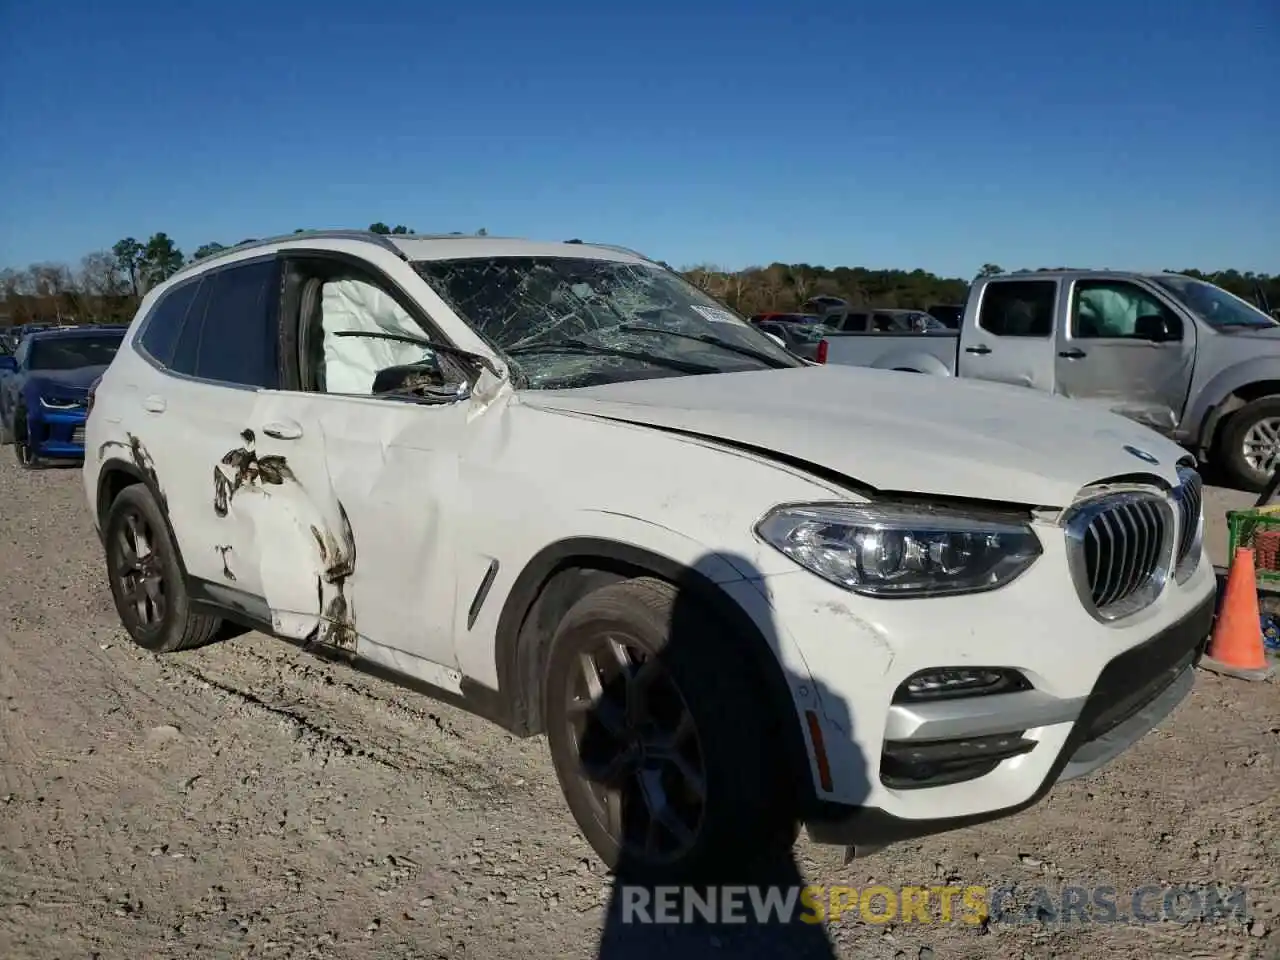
column 971, row 905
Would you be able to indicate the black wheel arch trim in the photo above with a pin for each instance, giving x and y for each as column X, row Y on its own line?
column 115, row 465
column 519, row 652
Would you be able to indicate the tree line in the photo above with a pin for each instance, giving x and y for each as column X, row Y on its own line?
column 107, row 284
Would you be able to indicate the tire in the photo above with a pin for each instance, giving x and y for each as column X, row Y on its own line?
column 743, row 821
column 21, row 448
column 1231, row 452
column 166, row 623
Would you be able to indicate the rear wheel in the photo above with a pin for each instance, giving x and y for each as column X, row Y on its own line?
column 1249, row 451
column 145, row 577
column 659, row 741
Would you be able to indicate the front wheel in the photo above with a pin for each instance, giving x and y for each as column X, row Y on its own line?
column 659, row 739
column 1250, row 448
column 22, row 448
column 145, row 578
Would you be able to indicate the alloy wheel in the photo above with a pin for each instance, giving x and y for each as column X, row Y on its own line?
column 640, row 759
column 137, row 568
column 1261, row 445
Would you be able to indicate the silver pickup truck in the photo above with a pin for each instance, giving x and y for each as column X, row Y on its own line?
column 1180, row 355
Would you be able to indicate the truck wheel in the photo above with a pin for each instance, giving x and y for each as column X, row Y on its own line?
column 659, row 741
column 1250, row 448
column 145, row 577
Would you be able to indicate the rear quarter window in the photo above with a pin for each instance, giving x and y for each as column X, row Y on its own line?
column 163, row 326
column 1018, row 308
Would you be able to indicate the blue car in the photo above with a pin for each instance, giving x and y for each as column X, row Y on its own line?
column 44, row 389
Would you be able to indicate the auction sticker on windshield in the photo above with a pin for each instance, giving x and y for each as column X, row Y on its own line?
column 716, row 316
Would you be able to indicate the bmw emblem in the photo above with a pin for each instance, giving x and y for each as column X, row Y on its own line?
column 1141, row 454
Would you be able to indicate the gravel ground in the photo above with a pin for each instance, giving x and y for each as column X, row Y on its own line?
column 247, row 800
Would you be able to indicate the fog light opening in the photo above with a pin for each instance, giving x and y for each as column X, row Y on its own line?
column 943, row 683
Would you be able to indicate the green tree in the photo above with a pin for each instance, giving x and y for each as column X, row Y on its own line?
column 379, row 227
column 990, row 270
column 129, row 254
column 207, row 250
column 161, row 259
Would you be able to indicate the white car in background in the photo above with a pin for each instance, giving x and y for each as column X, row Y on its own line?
column 555, row 484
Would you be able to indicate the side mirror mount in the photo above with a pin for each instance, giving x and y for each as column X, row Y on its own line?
column 8, row 362
column 1157, row 328
column 425, row 379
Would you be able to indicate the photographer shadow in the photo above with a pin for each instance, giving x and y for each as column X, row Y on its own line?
column 645, row 920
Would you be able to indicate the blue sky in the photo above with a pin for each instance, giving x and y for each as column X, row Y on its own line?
column 887, row 134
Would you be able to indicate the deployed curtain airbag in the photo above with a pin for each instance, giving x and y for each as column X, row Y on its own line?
column 351, row 363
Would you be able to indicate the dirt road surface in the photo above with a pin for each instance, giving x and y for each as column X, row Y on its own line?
column 245, row 800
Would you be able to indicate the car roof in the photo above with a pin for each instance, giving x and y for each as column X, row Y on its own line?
column 420, row 247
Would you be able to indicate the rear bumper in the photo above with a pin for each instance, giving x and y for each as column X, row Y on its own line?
column 57, row 433
column 1135, row 691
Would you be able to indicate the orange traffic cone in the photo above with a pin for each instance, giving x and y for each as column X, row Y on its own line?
column 1235, row 649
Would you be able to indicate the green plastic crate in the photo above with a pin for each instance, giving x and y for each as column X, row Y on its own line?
column 1244, row 527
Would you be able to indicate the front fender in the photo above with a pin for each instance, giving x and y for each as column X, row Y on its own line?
column 716, row 579
column 1200, row 419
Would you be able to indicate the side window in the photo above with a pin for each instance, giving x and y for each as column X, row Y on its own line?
column 855, row 323
column 351, row 303
column 20, row 357
column 1111, row 309
column 1018, row 308
column 164, row 325
column 183, row 358
column 237, row 342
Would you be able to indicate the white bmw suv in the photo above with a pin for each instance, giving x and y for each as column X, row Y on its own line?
column 557, row 485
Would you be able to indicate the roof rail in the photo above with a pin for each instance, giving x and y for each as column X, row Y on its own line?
column 615, row 247
column 368, row 236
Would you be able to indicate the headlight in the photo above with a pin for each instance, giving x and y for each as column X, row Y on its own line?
column 899, row 550
column 59, row 403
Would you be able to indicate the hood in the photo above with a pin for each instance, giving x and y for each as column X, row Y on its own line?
column 79, row 379
column 895, row 432
column 1253, row 333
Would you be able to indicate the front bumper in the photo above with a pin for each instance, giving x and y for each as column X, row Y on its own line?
column 57, row 433
column 1135, row 692
column 1095, row 688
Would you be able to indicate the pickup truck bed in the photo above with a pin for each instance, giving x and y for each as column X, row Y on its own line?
column 935, row 352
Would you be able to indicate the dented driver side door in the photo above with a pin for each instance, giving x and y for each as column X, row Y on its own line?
column 356, row 548
column 355, row 496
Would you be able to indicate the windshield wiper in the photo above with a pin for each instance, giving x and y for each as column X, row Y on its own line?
column 582, row 346
column 710, row 340
column 427, row 344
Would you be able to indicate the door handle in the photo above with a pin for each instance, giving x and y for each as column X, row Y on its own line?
column 980, row 348
column 287, row 430
column 1075, row 353
column 153, row 404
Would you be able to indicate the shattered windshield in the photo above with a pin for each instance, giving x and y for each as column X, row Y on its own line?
column 565, row 322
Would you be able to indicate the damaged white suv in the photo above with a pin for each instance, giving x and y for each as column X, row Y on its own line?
column 559, row 486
